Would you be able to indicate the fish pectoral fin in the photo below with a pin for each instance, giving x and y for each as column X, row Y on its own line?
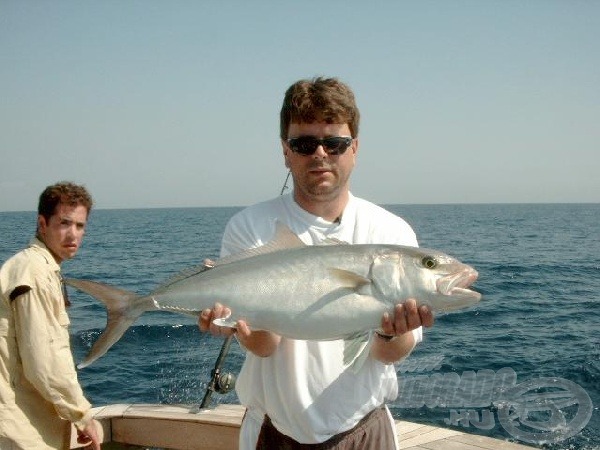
column 349, row 279
column 226, row 322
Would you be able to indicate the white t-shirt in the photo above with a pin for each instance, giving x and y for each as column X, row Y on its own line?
column 304, row 387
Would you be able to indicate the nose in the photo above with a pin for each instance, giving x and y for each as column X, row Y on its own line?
column 71, row 231
column 320, row 152
column 74, row 231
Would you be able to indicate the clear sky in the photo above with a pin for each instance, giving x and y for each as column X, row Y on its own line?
column 175, row 103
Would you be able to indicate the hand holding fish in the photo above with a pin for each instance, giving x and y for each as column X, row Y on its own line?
column 396, row 340
column 207, row 324
column 407, row 317
column 261, row 343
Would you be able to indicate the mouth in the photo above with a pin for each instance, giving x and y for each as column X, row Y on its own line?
column 319, row 171
column 457, row 284
column 320, row 168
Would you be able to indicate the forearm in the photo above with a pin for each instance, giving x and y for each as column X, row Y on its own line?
column 261, row 343
column 47, row 360
column 391, row 351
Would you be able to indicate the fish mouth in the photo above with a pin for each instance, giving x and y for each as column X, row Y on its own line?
column 457, row 284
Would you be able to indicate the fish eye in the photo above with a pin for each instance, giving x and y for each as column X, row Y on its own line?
column 429, row 262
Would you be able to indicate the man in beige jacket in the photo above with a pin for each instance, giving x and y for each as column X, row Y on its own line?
column 39, row 391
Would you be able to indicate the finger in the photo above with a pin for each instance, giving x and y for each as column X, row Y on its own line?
column 217, row 311
column 204, row 320
column 400, row 325
column 243, row 329
column 387, row 326
column 83, row 439
column 413, row 318
column 426, row 314
column 225, row 331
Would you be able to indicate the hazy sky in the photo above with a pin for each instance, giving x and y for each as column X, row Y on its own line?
column 176, row 103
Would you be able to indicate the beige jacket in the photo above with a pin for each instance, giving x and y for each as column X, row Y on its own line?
column 39, row 391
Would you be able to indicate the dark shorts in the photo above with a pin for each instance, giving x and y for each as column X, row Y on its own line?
column 373, row 432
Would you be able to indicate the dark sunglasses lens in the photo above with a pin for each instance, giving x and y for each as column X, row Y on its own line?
column 307, row 145
column 336, row 145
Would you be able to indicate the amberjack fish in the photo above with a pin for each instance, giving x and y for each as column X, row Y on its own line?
column 310, row 292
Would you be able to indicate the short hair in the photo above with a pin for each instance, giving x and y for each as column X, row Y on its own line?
column 66, row 193
column 321, row 99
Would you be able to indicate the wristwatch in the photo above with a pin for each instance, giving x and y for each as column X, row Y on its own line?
column 385, row 337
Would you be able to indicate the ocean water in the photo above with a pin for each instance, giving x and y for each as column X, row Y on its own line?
column 523, row 365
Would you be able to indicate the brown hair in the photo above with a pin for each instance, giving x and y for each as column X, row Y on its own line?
column 65, row 193
column 319, row 100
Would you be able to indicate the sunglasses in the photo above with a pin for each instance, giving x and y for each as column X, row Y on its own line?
column 307, row 145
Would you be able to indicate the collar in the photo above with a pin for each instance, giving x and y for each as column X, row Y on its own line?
column 40, row 248
column 318, row 221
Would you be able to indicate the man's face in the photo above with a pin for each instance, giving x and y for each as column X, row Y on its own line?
column 63, row 232
column 320, row 177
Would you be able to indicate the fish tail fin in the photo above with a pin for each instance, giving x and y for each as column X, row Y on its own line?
column 123, row 308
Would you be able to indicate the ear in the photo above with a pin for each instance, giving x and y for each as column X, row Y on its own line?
column 355, row 146
column 41, row 224
column 286, row 151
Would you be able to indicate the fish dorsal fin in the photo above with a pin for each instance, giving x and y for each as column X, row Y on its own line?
column 284, row 239
column 333, row 241
column 185, row 273
column 349, row 279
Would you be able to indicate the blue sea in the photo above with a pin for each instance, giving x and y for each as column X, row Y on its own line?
column 523, row 365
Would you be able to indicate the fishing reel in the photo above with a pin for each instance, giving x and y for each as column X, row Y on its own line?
column 223, row 382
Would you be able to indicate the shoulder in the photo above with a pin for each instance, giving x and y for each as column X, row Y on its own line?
column 379, row 212
column 258, row 212
column 382, row 225
column 25, row 260
column 25, row 268
column 252, row 226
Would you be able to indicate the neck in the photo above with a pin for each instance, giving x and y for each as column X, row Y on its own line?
column 328, row 209
column 54, row 255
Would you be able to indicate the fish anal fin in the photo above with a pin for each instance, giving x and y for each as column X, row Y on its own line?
column 355, row 350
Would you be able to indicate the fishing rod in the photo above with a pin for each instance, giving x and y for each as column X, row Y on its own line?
column 225, row 382
column 285, row 186
column 219, row 382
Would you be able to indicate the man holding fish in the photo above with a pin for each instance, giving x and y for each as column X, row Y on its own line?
column 322, row 321
column 326, row 394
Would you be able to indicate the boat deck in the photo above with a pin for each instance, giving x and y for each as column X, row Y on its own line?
column 180, row 427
